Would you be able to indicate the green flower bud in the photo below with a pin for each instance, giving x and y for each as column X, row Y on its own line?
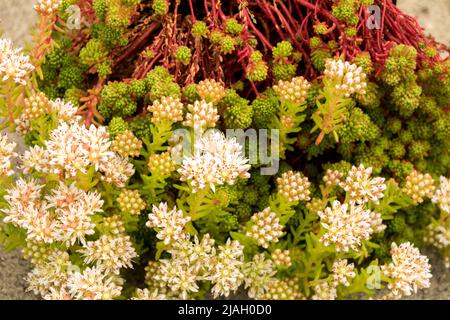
column 283, row 49
column 397, row 149
column 315, row 42
column 283, row 71
column 351, row 32
column 131, row 3
column 400, row 168
column 428, row 107
column 160, row 83
column 216, row 37
column 418, row 149
column 358, row 127
column 160, row 7
column 100, row 8
column 233, row 27
column 238, row 116
column 138, row 88
column 406, row 96
column 398, row 224
column 264, row 110
column 364, row 61
column 71, row 75
column 190, row 92
column 431, row 52
column 116, row 97
column 250, row 195
column 318, row 58
column 320, row 28
column 346, row 11
column 405, row 136
column 371, row 99
column 332, row 45
column 257, row 69
column 199, row 29
column 227, row 44
column 104, row 69
column 243, row 211
column 116, row 126
column 400, row 64
column 73, row 95
column 141, row 127
column 183, row 55
column 393, row 125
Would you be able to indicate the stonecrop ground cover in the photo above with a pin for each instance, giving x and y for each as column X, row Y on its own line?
column 192, row 149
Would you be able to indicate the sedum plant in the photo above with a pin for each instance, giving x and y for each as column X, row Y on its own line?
column 138, row 181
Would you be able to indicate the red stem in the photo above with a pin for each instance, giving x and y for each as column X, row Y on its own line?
column 136, row 44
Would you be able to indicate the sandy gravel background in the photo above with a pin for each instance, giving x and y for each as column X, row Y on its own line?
column 16, row 19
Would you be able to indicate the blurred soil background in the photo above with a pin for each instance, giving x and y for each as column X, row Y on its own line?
column 17, row 18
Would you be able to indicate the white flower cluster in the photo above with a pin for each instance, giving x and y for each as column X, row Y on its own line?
column 346, row 77
column 294, row 91
column 408, row 271
column 258, row 275
column 13, row 63
column 130, row 201
column 191, row 262
column 197, row 252
column 294, row 186
column 169, row 223
column 361, row 188
column 47, row 7
column 277, row 289
column 226, row 274
column 57, row 278
column 442, row 195
column 419, row 186
column 37, row 105
column 324, row 291
column 7, row 155
column 281, row 257
column 201, row 116
column 145, row 294
column 438, row 234
column 50, row 275
column 265, row 228
column 178, row 275
column 332, row 177
column 216, row 160
column 72, row 149
column 287, row 121
column 113, row 225
column 35, row 252
column 210, row 90
column 111, row 253
column 117, row 171
column 161, row 164
column 92, row 284
column 65, row 111
column 63, row 215
column 347, row 225
column 315, row 205
column 166, row 109
column 152, row 273
column 126, row 144
column 342, row 271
